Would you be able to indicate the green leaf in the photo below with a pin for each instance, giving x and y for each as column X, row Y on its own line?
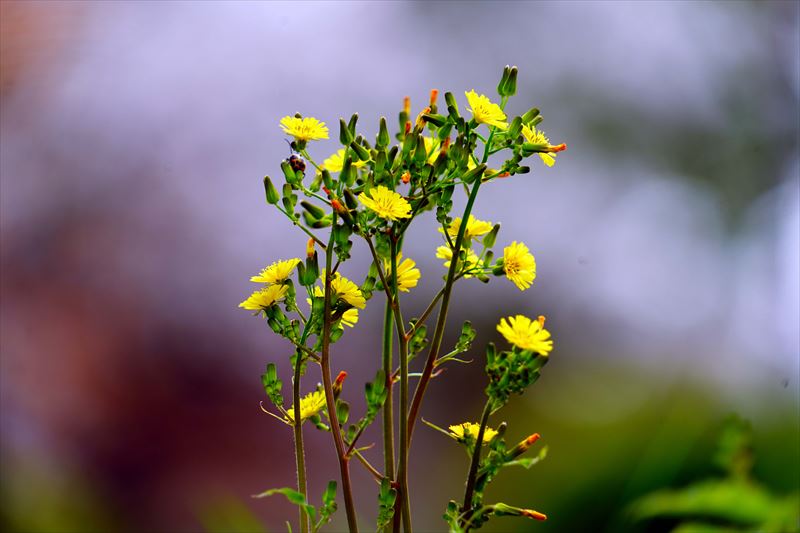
column 272, row 385
column 328, row 505
column 294, row 497
column 386, row 499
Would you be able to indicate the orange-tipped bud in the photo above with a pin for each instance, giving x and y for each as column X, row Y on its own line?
column 558, row 148
column 504, row 174
column 536, row 515
column 337, row 205
column 407, row 105
column 408, row 127
column 310, row 248
column 434, row 95
column 541, row 320
column 406, row 177
column 327, row 191
column 523, row 446
column 337, row 385
column 419, row 121
column 445, row 145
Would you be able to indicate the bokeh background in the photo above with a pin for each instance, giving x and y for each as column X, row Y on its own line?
column 134, row 140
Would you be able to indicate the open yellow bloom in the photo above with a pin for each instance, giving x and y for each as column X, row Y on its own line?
column 335, row 162
column 310, row 404
column 350, row 318
column 475, row 227
column 532, row 135
column 386, row 203
column 304, row 129
column 407, row 273
column 343, row 288
column 432, row 148
column 519, row 265
column 527, row 334
column 486, row 112
column 264, row 298
column 444, row 252
column 277, row 272
column 469, row 429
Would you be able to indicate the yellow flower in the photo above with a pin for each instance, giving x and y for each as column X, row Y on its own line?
column 407, row 273
column 310, row 404
column 264, row 298
column 475, row 227
column 350, row 318
column 527, row 334
column 534, row 136
column 432, row 149
column 277, row 272
column 444, row 252
column 387, row 204
column 304, row 129
column 486, row 112
column 519, row 265
column 336, row 161
column 469, row 429
column 343, row 288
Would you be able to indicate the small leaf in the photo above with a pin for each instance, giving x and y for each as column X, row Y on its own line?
column 294, row 497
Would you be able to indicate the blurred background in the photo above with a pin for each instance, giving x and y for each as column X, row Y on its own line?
column 134, row 140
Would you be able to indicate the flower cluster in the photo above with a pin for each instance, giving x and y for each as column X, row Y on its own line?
column 370, row 193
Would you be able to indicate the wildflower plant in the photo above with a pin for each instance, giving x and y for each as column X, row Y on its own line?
column 370, row 194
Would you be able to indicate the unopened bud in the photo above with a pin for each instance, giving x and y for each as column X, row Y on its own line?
column 419, row 122
column 407, row 105
column 540, row 319
column 536, row 515
column 406, row 177
column 310, row 248
column 434, row 95
column 523, row 446
column 558, row 148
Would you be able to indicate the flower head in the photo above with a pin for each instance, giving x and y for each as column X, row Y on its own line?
column 386, row 203
column 446, row 253
column 407, row 273
column 277, row 272
column 475, row 227
column 519, row 265
column 527, row 334
column 264, row 298
column 486, row 112
column 304, row 129
column 346, row 290
column 462, row 432
column 534, row 136
column 335, row 162
column 350, row 318
column 310, row 404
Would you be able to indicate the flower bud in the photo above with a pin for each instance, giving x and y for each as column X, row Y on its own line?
column 312, row 209
column 337, row 385
column 310, row 248
column 515, row 128
column 345, row 137
column 523, row 446
column 383, row 135
column 531, row 114
column 489, row 238
column 288, row 172
column 352, row 124
column 470, row 176
column 272, row 192
column 350, row 199
column 360, row 151
column 327, row 179
column 503, row 81
column 436, row 120
column 510, row 86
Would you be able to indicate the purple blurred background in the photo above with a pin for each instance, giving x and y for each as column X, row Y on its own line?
column 134, row 140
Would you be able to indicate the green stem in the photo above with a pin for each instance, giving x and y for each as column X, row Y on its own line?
column 325, row 363
column 438, row 333
column 298, row 440
column 388, row 407
column 476, row 459
column 402, row 477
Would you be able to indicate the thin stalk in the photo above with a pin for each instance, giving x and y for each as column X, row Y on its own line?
column 388, row 407
column 338, row 441
column 298, row 441
column 402, row 477
column 438, row 333
column 476, row 459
